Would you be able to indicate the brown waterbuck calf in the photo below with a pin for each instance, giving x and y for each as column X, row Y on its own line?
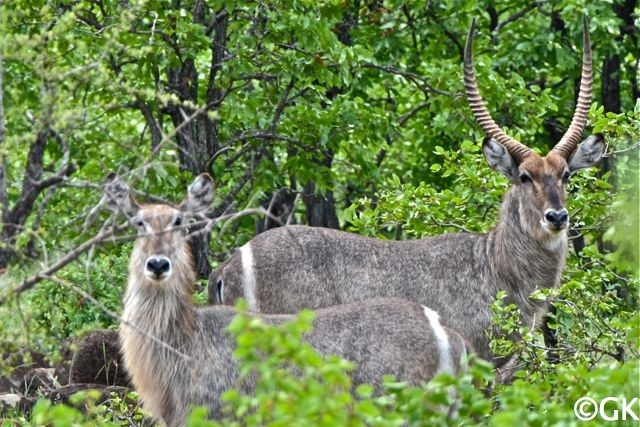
column 457, row 274
column 178, row 355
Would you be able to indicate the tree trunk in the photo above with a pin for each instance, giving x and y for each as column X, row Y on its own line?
column 611, row 83
column 197, row 137
column 321, row 210
column 280, row 210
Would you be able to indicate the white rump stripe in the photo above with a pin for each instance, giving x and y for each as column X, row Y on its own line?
column 248, row 277
column 442, row 341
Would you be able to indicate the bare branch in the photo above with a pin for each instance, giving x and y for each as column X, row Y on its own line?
column 233, row 216
column 102, row 236
column 624, row 150
column 452, row 225
column 215, row 19
column 281, row 199
column 281, row 105
column 110, row 234
column 260, row 134
column 32, row 186
column 112, row 314
column 229, row 199
column 168, row 137
column 216, row 155
column 519, row 14
column 38, row 219
column 154, row 126
column 419, row 81
column 405, row 118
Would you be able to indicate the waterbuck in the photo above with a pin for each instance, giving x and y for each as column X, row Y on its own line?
column 456, row 274
column 179, row 355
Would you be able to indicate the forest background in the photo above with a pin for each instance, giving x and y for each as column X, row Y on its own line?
column 335, row 114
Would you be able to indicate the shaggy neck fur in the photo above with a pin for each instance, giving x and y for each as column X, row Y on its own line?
column 165, row 311
column 524, row 257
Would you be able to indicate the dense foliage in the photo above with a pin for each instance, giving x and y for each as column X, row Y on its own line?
column 335, row 113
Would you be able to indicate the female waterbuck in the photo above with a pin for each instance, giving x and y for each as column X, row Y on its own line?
column 457, row 274
column 178, row 355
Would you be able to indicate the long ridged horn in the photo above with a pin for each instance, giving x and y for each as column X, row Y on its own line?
column 573, row 135
column 517, row 150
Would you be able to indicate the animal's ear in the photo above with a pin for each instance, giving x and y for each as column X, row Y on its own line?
column 199, row 194
column 499, row 158
column 587, row 154
column 117, row 196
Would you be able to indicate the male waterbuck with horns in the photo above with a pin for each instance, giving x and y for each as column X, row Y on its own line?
column 178, row 355
column 457, row 274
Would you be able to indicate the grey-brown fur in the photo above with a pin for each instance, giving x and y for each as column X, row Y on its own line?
column 191, row 361
column 457, row 274
column 382, row 336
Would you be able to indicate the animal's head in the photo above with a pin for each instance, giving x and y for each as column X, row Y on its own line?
column 539, row 182
column 161, row 250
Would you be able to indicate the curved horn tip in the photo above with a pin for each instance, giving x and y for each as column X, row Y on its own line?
column 585, row 33
column 468, row 47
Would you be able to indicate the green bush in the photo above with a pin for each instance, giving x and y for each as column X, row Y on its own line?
column 297, row 386
column 358, row 102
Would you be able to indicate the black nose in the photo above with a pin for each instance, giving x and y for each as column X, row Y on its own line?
column 158, row 265
column 557, row 218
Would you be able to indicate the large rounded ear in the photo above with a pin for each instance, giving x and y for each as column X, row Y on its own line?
column 117, row 196
column 587, row 154
column 499, row 158
column 199, row 194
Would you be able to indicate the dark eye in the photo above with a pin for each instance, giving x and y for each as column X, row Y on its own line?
column 177, row 222
column 140, row 226
column 566, row 176
column 525, row 178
